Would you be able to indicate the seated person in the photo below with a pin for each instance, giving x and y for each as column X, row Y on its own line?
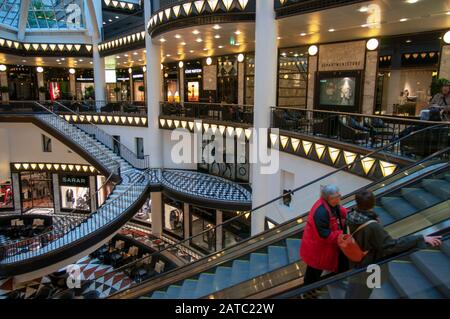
column 442, row 99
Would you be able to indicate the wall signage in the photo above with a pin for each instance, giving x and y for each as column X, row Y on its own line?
column 193, row 71
column 342, row 56
column 73, row 180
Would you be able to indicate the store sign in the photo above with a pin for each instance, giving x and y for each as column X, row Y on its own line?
column 85, row 79
column 55, row 91
column 193, row 71
column 74, row 180
column 342, row 56
column 138, row 76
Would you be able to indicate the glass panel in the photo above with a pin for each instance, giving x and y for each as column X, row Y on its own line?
column 293, row 77
column 9, row 12
column 6, row 194
column 55, row 14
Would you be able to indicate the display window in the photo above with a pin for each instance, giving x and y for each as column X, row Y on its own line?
column 75, row 193
column 145, row 213
column 103, row 191
column 193, row 91
column 36, row 190
column 173, row 217
column 6, row 194
column 203, row 220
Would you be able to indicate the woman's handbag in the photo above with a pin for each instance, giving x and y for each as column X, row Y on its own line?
column 350, row 247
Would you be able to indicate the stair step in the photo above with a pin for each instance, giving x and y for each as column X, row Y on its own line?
column 277, row 257
column 205, row 285
column 410, row 282
column 187, row 289
column 173, row 292
column 222, row 278
column 159, row 295
column 385, row 217
column 293, row 248
column 419, row 197
column 259, row 264
column 387, row 291
column 398, row 207
column 437, row 187
column 445, row 248
column 435, row 265
column 240, row 271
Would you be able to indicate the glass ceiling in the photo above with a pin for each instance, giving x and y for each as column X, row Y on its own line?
column 44, row 14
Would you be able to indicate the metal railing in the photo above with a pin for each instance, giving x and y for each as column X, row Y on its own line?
column 108, row 140
column 368, row 131
column 302, row 199
column 209, row 111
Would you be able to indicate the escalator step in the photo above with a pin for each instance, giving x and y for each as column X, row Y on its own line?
column 293, row 248
column 398, row 207
column 447, row 177
column 410, row 282
column 385, row 217
column 438, row 187
column 419, row 197
column 222, row 278
column 159, row 295
column 187, row 289
column 240, row 271
column 435, row 265
column 173, row 292
column 205, row 285
column 259, row 264
column 387, row 291
column 445, row 248
column 278, row 257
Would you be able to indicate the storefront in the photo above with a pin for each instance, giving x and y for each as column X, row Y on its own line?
column 173, row 217
column 22, row 83
column 171, row 87
column 84, row 84
column 74, row 192
column 36, row 190
column 293, row 77
column 6, row 194
column 193, row 84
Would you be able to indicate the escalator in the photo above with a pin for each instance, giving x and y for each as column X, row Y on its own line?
column 408, row 201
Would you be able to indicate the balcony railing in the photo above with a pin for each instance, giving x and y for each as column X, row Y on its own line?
column 366, row 131
column 209, row 111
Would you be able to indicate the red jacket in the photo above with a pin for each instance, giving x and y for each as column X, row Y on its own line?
column 315, row 251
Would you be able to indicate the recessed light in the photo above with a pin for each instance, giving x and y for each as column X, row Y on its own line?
column 205, row 49
column 168, row 55
column 237, row 32
column 363, row 9
column 162, row 40
column 403, row 19
column 177, row 36
column 183, row 43
column 135, row 53
column 104, row 22
column 220, row 46
column 217, row 36
column 448, row 13
column 302, row 34
column 331, row 30
column 24, row 60
column 117, row 17
column 191, row 51
column 109, row 20
column 118, row 57
column 217, row 27
column 199, row 40
column 62, row 59
column 412, row 1
column 126, row 55
column 195, row 32
column 90, row 62
column 278, row 38
column 364, row 25
column 408, row 41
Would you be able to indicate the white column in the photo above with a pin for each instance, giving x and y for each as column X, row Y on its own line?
column 444, row 61
column 131, row 86
column 23, row 16
column 4, row 82
column 394, row 90
column 40, row 83
column 16, row 193
column 265, row 97
column 219, row 230
column 370, row 81
column 72, row 85
column 56, row 193
column 93, row 192
column 241, row 82
column 186, row 221
column 157, row 213
column 153, row 60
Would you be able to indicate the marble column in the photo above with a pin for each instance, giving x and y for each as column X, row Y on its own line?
column 130, row 74
column 40, row 83
column 219, row 230
column 56, row 193
column 241, row 83
column 186, row 221
column 266, row 54
column 444, row 63
column 370, row 81
column 4, row 82
column 16, row 193
column 153, row 58
column 157, row 213
column 312, row 69
column 72, row 85
column 93, row 192
column 181, row 90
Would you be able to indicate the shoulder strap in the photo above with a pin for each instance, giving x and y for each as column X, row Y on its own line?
column 363, row 225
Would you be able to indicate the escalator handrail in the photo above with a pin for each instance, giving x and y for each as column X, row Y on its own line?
column 331, row 280
column 181, row 242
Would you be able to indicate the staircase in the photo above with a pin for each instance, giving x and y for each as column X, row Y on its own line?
column 117, row 209
column 239, row 270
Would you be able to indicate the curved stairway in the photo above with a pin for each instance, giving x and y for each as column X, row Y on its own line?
column 121, row 205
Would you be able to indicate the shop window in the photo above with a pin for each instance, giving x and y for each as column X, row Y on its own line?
column 46, row 144
column 236, row 230
column 202, row 220
column 227, row 79
column 145, row 213
column 140, row 147
column 293, row 77
column 116, row 144
column 6, row 194
column 75, row 193
column 36, row 190
column 249, row 79
column 173, row 217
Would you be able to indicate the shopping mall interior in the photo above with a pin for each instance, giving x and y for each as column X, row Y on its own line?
column 186, row 149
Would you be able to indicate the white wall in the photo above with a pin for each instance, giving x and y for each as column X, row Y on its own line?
column 304, row 171
column 168, row 145
column 23, row 143
column 5, row 173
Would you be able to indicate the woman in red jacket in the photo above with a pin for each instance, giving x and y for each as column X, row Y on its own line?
column 319, row 248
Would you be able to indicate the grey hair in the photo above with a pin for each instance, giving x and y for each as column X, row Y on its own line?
column 329, row 190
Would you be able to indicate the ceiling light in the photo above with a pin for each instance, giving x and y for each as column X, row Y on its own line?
column 39, row 69
column 220, row 46
column 331, row 30
column 240, row 57
column 446, row 37
column 162, row 40
column 126, row 55
column 117, row 17
column 217, row 36
column 177, row 36
column 313, row 49
column 448, row 13
column 278, row 38
column 372, row 44
column 412, row 1
column 168, row 55
column 408, row 41
column 403, row 19
column 199, row 40
column 183, row 43
column 237, row 32
column 62, row 59
column 72, row 71
column 217, row 27
column 24, row 60
column 302, row 34
column 180, row 64
column 205, row 49
column 363, row 9
column 118, row 57
column 195, row 32
column 2, row 68
column 81, row 60
column 208, row 61
column 191, row 51
column 135, row 53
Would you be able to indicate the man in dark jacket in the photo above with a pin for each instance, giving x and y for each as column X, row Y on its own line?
column 376, row 241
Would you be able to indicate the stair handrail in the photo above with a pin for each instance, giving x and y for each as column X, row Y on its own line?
column 445, row 233
column 57, row 117
column 38, row 238
column 137, row 162
column 187, row 240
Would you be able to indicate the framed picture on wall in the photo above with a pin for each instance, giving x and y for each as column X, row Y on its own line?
column 338, row 91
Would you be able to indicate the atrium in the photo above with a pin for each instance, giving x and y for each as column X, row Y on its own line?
column 224, row 149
